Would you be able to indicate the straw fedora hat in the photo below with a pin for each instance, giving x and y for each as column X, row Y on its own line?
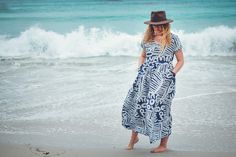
column 158, row 18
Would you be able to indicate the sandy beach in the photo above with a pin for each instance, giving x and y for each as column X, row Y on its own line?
column 36, row 151
column 208, row 130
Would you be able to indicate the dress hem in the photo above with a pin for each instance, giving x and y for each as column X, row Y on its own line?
column 141, row 131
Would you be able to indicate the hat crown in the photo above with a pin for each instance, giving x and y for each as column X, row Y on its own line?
column 158, row 16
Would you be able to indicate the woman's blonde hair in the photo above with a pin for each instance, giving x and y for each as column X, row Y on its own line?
column 166, row 34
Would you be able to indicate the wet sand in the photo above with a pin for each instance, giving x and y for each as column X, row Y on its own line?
column 12, row 150
column 203, row 113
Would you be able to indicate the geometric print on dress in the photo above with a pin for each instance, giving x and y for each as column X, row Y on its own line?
column 147, row 106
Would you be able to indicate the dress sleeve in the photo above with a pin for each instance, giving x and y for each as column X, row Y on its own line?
column 178, row 44
column 142, row 45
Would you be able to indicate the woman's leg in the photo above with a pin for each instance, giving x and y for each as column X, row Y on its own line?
column 134, row 139
column 162, row 147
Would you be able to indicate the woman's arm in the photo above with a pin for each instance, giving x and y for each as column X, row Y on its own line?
column 180, row 61
column 141, row 58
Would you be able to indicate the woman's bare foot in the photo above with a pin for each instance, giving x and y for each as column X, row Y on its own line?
column 159, row 149
column 131, row 143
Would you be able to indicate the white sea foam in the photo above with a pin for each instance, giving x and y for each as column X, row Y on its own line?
column 82, row 42
column 212, row 41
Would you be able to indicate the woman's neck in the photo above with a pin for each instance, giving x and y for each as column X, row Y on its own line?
column 158, row 38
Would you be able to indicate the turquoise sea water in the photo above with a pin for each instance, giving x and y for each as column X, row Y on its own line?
column 39, row 26
column 119, row 15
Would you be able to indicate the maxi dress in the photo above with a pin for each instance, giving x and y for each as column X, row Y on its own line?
column 147, row 106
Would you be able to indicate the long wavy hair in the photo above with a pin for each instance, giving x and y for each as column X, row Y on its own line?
column 166, row 35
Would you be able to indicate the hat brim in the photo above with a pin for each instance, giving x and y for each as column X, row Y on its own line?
column 158, row 23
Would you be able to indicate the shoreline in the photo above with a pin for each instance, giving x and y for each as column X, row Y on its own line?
column 202, row 110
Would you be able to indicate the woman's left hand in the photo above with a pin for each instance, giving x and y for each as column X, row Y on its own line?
column 173, row 73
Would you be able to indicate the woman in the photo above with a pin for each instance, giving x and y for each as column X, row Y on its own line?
column 147, row 106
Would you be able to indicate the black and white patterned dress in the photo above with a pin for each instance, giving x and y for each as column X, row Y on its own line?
column 147, row 106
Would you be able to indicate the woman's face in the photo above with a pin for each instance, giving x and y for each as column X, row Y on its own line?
column 157, row 28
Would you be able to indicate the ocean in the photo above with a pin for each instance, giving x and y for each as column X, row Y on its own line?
column 66, row 67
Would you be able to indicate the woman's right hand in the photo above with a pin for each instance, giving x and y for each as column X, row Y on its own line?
column 142, row 58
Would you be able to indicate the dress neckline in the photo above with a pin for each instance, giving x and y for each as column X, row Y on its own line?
column 154, row 41
column 157, row 43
